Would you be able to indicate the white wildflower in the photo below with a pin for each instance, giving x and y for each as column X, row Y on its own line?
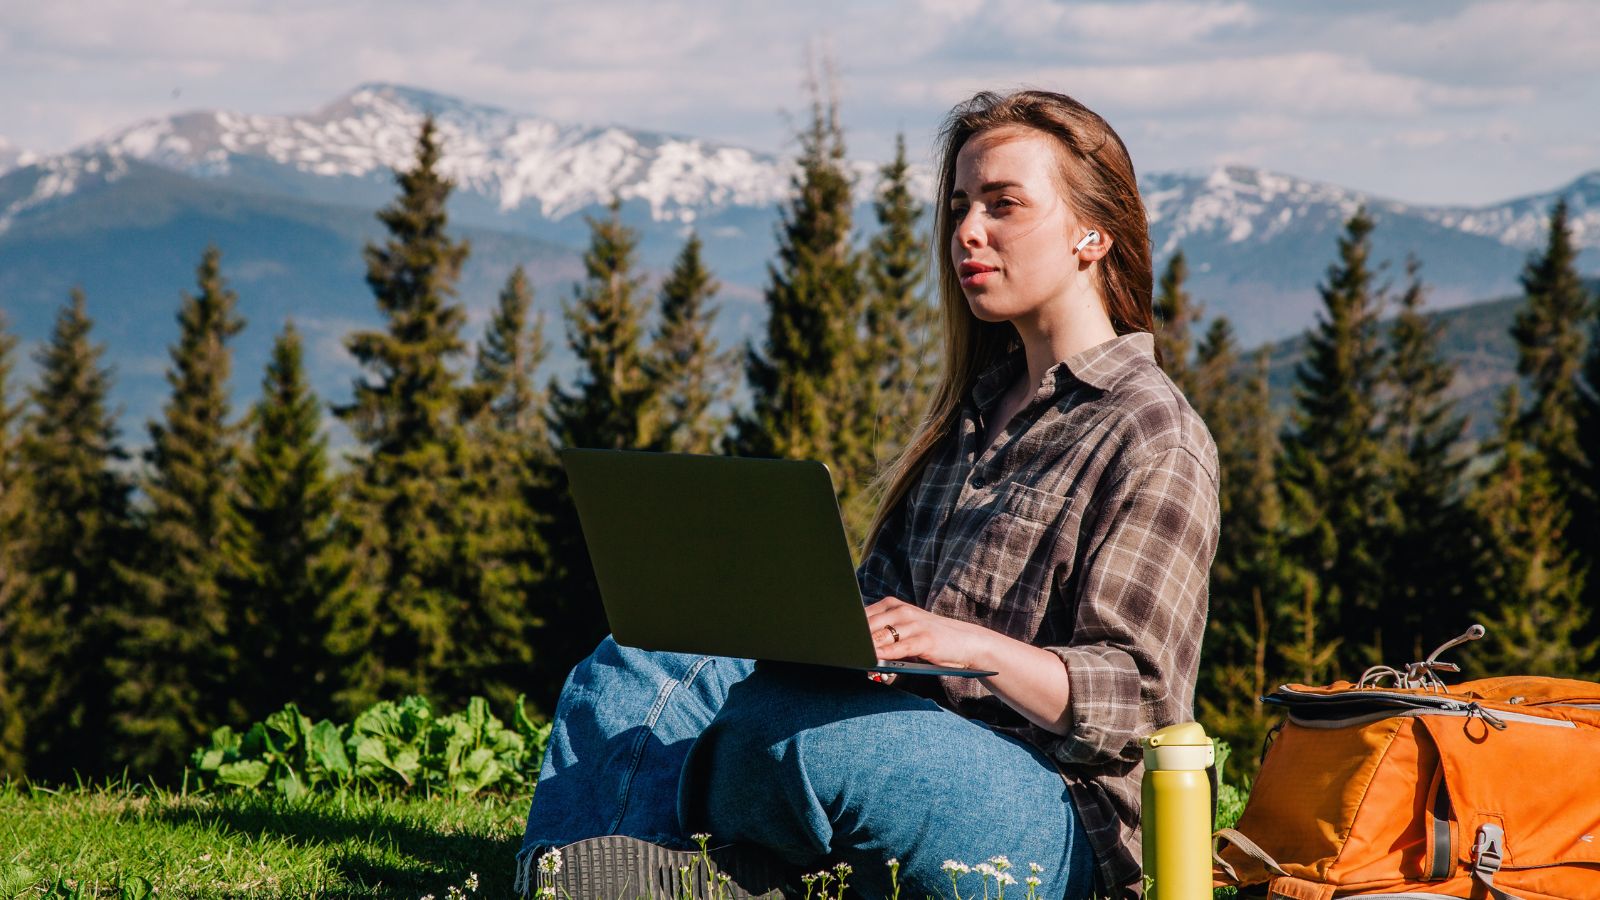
column 550, row 862
column 956, row 868
column 472, row 882
column 1001, row 863
column 1005, row 878
column 1035, row 868
column 548, row 892
column 843, row 869
column 1033, row 881
column 426, row 897
column 893, row 863
column 985, row 869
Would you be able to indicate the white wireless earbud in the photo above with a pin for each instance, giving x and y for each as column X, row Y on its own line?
column 1093, row 237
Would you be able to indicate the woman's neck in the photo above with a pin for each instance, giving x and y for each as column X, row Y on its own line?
column 1063, row 329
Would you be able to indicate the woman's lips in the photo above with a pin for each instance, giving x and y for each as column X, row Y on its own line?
column 975, row 274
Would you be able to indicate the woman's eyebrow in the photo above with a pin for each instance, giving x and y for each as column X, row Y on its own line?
column 987, row 187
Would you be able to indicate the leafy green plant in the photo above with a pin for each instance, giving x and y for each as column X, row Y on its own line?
column 393, row 748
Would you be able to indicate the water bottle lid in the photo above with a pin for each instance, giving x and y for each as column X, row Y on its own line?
column 1178, row 747
column 1184, row 734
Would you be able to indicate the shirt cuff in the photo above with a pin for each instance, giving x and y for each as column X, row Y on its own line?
column 1102, row 704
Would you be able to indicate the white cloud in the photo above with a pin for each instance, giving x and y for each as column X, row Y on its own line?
column 1307, row 84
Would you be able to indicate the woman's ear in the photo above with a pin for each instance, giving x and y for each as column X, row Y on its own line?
column 1092, row 245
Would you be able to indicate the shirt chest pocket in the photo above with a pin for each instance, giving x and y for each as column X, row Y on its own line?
column 1002, row 556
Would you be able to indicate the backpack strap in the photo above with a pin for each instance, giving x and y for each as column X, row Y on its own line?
column 1487, row 853
column 1248, row 848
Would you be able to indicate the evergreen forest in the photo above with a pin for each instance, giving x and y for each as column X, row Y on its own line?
column 236, row 564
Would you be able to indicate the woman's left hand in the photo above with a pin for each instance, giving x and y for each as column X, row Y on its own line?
column 902, row 630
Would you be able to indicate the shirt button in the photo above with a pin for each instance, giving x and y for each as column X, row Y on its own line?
column 977, row 481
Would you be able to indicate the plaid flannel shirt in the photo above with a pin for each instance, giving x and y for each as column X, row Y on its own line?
column 1088, row 528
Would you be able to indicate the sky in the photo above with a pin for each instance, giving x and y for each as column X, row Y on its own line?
column 1420, row 101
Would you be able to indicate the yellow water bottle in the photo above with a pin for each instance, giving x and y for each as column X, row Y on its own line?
column 1177, row 812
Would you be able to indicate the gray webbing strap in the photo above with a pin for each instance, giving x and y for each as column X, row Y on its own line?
column 1248, row 848
column 1443, row 860
column 1487, row 853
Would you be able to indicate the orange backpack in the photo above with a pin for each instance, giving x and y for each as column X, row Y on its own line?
column 1484, row 789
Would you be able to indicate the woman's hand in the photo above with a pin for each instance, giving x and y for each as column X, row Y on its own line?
column 1031, row 680
column 902, row 630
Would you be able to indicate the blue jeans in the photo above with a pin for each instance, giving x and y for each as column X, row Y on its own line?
column 817, row 765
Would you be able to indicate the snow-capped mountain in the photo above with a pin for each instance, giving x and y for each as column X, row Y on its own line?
column 525, row 171
column 510, row 159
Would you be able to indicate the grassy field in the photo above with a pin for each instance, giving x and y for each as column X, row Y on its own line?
column 91, row 840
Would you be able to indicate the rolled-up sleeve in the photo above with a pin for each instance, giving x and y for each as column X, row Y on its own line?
column 1140, row 590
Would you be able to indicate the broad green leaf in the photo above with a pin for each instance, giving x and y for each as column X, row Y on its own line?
column 244, row 773
column 327, row 750
column 133, row 887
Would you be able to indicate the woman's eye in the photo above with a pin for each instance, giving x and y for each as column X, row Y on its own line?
column 1004, row 202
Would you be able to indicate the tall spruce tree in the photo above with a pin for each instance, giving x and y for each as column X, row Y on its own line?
column 288, row 501
column 508, row 360
column 1428, row 571
column 16, row 583
column 1529, row 582
column 689, row 370
column 1332, row 462
column 1550, row 340
column 512, row 476
column 79, row 527
column 1176, row 313
column 177, row 654
column 802, row 378
column 393, row 631
column 897, row 351
column 1584, row 527
column 1258, row 632
column 608, row 406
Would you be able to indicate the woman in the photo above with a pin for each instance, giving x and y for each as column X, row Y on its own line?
column 1053, row 520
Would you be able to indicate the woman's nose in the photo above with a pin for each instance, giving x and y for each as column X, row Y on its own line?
column 969, row 233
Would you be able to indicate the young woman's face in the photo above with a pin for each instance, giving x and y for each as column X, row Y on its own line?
column 1014, row 231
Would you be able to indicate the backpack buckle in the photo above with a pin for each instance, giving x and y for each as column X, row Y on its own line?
column 1488, row 850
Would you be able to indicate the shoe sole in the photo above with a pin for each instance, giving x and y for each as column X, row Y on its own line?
column 615, row 867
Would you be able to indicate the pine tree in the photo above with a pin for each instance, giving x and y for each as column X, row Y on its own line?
column 16, row 584
column 1332, row 464
column 1177, row 313
column 1254, row 634
column 288, row 502
column 508, row 362
column 692, row 376
column 1529, row 583
column 1550, row 351
column 802, row 378
column 177, row 653
column 607, row 407
column 79, row 527
column 393, row 631
column 899, row 319
column 512, row 476
column 1427, row 580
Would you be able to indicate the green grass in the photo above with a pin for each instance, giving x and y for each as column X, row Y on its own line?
column 254, row 845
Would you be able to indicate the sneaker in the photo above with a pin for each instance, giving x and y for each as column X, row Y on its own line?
column 616, row 867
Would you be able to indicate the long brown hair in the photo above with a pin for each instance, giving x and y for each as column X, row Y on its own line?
column 1097, row 178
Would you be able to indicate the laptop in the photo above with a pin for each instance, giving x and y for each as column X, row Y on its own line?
column 727, row 557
